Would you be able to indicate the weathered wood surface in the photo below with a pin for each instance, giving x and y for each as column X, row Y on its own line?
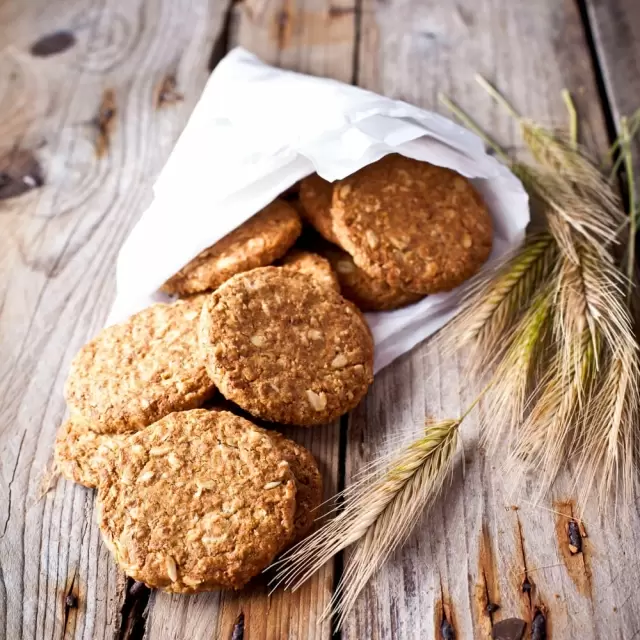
column 480, row 542
column 615, row 25
column 100, row 118
column 615, row 28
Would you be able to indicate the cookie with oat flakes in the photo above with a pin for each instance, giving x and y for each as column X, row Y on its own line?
column 134, row 373
column 315, row 197
column 80, row 453
column 286, row 348
column 308, row 482
column 367, row 293
column 312, row 265
column 197, row 501
column 259, row 241
column 420, row 227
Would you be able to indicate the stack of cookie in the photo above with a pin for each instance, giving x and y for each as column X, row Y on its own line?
column 399, row 230
column 193, row 498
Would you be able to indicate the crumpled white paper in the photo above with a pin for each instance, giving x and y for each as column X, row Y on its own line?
column 256, row 131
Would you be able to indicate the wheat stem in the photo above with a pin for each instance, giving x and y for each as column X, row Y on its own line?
column 473, row 126
column 573, row 118
column 496, row 95
column 377, row 515
column 627, row 154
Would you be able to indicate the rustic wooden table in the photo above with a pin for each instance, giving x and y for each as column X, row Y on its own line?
column 88, row 117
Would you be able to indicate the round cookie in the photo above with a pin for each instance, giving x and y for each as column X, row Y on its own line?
column 80, row 453
column 286, row 348
column 315, row 196
column 134, row 373
column 259, row 241
column 197, row 501
column 312, row 265
column 420, row 227
column 367, row 293
column 308, row 482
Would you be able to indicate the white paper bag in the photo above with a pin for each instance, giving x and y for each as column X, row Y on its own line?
column 256, row 131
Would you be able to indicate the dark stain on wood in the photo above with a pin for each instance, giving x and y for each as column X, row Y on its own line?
column 20, row 172
column 575, row 539
column 167, row 93
column 526, row 585
column 509, row 629
column 487, row 592
column 290, row 26
column 52, row 44
column 539, row 625
column 445, row 623
column 238, row 628
column 70, row 604
column 338, row 12
column 105, row 121
column 283, row 26
column 465, row 16
column 573, row 546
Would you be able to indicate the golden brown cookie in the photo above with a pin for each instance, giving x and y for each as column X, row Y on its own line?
column 198, row 500
column 420, row 227
column 308, row 482
column 313, row 265
column 367, row 293
column 286, row 348
column 315, row 198
column 263, row 238
column 134, row 373
column 80, row 453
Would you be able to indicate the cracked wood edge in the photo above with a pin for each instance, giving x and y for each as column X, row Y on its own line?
column 478, row 540
column 317, row 37
column 88, row 117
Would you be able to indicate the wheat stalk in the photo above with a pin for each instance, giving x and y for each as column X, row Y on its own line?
column 609, row 454
column 376, row 515
column 512, row 382
column 495, row 299
column 587, row 402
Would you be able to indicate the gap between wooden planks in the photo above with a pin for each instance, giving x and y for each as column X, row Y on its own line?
column 60, row 247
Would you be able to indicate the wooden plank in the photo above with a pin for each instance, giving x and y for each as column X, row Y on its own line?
column 100, row 118
column 314, row 36
column 615, row 25
column 477, row 543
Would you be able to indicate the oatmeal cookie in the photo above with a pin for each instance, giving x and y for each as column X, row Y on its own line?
column 134, row 373
column 80, row 453
column 315, row 198
column 308, row 482
column 286, row 348
column 313, row 265
column 259, row 241
column 198, row 500
column 420, row 227
column 367, row 293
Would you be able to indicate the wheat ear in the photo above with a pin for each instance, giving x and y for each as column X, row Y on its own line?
column 376, row 516
column 495, row 299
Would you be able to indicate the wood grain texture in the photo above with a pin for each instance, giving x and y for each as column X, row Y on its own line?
column 95, row 123
column 91, row 117
column 615, row 25
column 317, row 37
column 480, row 542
